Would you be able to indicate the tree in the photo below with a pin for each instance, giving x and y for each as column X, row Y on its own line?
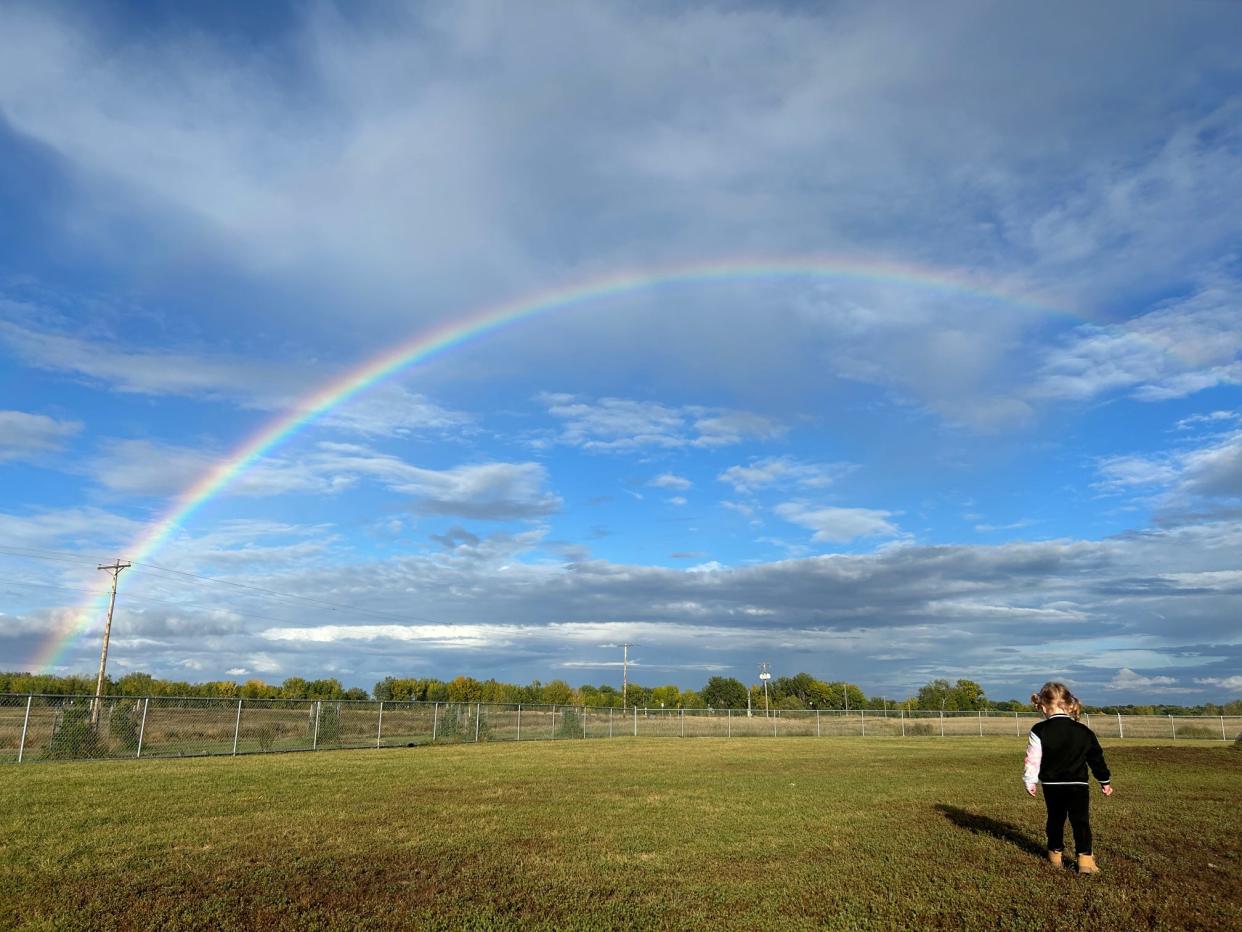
column 970, row 695
column 935, row 695
column 465, row 689
column 136, row 684
column 724, row 692
column 324, row 689
column 842, row 696
column 667, row 697
column 965, row 695
column 557, row 692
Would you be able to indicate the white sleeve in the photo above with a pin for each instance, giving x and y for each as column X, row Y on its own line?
column 1034, row 754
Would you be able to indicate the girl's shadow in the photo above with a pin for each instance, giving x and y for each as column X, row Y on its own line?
column 985, row 825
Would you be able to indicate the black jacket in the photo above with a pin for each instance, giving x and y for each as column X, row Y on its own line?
column 1059, row 750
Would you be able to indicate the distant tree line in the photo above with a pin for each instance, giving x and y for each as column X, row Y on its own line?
column 800, row 691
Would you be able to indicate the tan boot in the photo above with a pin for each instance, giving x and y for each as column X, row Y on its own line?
column 1087, row 865
column 1054, row 858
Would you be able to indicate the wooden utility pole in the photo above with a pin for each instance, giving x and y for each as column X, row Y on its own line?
column 765, row 674
column 115, row 569
column 625, row 672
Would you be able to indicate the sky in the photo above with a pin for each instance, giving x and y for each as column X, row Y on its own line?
column 928, row 362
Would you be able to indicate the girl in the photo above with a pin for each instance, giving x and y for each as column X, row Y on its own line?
column 1058, row 752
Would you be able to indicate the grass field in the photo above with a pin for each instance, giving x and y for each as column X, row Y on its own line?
column 800, row 833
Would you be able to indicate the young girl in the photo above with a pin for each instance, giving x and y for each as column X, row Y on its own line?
column 1058, row 752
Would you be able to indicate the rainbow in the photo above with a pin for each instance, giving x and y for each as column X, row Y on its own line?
column 477, row 324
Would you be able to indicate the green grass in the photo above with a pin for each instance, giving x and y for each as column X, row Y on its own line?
column 795, row 833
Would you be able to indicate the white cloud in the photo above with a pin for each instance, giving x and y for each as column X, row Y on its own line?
column 622, row 425
column 1212, row 470
column 1123, row 472
column 1230, row 683
column 773, row 470
column 669, row 480
column 838, row 525
column 388, row 409
column 1128, row 679
column 1212, row 417
column 1180, row 348
column 23, row 435
column 1011, row 526
column 482, row 490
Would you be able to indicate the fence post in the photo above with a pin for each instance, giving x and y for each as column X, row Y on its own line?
column 478, row 708
column 553, row 722
column 1173, row 727
column 315, row 740
column 903, row 722
column 379, row 729
column 818, row 733
column 981, row 723
column 1087, row 716
column 1121, row 729
column 1016, row 726
column 610, row 722
column 775, row 716
column 21, row 748
column 1222, row 727
column 635, row 721
column 142, row 727
column 862, row 717
column 435, row 721
column 683, row 723
column 237, row 727
column 942, row 723
column 729, row 724
column 519, row 736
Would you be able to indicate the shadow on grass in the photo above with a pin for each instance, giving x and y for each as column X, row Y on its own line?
column 985, row 825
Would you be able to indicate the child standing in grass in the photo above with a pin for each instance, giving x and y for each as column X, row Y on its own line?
column 1058, row 753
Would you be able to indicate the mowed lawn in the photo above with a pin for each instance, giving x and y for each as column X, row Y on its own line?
column 647, row 833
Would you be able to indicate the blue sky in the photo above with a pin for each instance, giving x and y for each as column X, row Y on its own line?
column 209, row 213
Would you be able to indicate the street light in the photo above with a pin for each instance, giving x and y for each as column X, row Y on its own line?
column 765, row 675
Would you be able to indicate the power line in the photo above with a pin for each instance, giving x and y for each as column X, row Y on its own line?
column 64, row 556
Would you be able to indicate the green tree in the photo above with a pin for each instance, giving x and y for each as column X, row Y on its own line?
column 970, row 695
column 557, row 692
column 666, row 697
column 724, row 692
column 465, row 689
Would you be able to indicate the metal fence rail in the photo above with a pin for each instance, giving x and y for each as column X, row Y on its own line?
column 41, row 728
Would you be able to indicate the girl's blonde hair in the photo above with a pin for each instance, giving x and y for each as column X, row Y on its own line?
column 1053, row 695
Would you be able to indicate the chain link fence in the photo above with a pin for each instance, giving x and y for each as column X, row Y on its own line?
column 41, row 728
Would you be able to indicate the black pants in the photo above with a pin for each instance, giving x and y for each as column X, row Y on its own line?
column 1074, row 801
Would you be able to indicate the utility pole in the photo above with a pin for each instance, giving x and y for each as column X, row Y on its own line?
column 115, row 569
column 765, row 674
column 625, row 672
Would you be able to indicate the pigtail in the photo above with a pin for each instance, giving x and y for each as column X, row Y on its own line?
column 1056, row 695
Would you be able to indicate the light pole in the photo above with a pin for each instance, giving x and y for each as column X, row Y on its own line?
column 765, row 675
